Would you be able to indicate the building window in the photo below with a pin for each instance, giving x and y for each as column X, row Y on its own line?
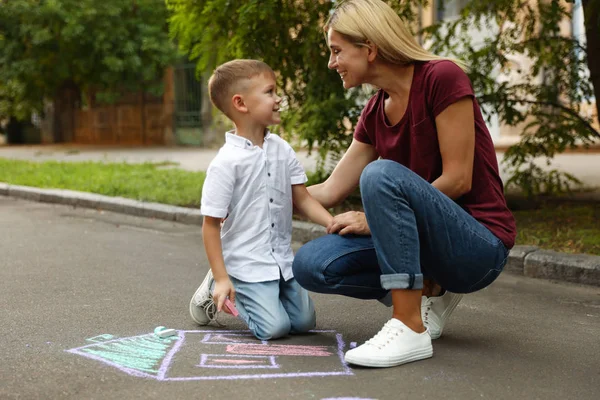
column 449, row 9
column 577, row 21
column 578, row 32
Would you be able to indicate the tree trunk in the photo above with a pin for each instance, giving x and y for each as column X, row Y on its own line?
column 591, row 13
column 143, row 114
column 15, row 131
column 66, row 101
column 206, row 114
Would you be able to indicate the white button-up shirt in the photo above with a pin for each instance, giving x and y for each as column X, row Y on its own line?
column 252, row 187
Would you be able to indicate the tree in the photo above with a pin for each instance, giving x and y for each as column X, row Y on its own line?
column 544, row 79
column 55, row 49
column 288, row 35
column 591, row 11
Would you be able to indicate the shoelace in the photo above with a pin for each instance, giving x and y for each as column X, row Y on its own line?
column 210, row 308
column 427, row 307
column 382, row 338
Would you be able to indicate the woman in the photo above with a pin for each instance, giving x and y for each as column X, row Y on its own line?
column 436, row 221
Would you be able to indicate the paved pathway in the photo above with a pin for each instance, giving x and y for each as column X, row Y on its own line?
column 82, row 291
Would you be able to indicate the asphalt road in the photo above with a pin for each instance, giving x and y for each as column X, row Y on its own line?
column 81, row 292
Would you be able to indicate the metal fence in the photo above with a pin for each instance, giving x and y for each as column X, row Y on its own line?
column 187, row 117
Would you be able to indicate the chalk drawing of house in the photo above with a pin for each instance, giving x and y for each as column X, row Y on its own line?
column 220, row 355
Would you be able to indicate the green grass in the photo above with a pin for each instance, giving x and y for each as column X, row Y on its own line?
column 145, row 182
column 561, row 226
column 555, row 225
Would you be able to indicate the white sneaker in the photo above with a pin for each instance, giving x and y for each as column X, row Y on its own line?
column 203, row 309
column 395, row 344
column 436, row 310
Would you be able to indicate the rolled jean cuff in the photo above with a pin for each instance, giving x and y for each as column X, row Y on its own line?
column 402, row 281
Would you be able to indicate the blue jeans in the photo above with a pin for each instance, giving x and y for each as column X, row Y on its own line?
column 274, row 309
column 417, row 232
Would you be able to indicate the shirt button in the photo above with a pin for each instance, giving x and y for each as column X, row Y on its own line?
column 272, row 225
column 271, row 200
column 273, row 250
column 268, row 174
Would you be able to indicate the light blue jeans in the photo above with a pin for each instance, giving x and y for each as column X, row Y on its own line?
column 417, row 232
column 274, row 309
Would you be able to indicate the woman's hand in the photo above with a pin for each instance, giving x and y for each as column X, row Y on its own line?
column 353, row 222
column 223, row 289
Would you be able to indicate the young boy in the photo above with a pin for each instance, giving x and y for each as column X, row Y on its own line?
column 251, row 187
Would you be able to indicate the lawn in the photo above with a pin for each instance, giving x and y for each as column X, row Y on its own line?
column 159, row 183
column 556, row 225
column 562, row 226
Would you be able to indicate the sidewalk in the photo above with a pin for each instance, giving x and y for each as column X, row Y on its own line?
column 583, row 165
column 82, row 291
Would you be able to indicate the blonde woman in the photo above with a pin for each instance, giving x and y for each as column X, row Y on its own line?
column 436, row 222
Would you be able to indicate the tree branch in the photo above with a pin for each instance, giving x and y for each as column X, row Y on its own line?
column 575, row 42
column 564, row 108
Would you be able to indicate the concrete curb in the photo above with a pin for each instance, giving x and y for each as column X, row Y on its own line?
column 527, row 261
column 115, row 204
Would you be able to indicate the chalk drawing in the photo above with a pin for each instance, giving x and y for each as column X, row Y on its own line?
column 347, row 398
column 100, row 338
column 237, row 361
column 219, row 355
column 137, row 355
column 279, row 350
column 229, row 338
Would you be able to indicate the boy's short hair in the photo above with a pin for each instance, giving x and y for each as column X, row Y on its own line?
column 225, row 80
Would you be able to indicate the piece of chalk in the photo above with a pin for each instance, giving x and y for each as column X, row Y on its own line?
column 231, row 308
column 163, row 332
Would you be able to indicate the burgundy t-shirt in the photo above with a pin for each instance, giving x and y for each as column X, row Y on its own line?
column 413, row 141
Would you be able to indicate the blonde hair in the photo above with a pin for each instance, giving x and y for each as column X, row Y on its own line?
column 228, row 79
column 374, row 21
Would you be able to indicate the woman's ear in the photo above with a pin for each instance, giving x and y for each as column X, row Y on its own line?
column 238, row 103
column 372, row 55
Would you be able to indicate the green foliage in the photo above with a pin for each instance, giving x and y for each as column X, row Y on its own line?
column 561, row 226
column 288, row 35
column 145, row 182
column 106, row 46
column 544, row 86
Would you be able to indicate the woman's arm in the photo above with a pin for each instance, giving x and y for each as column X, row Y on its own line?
column 344, row 178
column 456, row 137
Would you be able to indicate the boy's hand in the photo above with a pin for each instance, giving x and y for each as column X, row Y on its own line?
column 223, row 289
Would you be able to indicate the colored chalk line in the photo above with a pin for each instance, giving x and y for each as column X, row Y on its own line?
column 347, row 398
column 224, row 355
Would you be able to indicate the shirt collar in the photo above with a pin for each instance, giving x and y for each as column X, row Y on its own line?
column 238, row 141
